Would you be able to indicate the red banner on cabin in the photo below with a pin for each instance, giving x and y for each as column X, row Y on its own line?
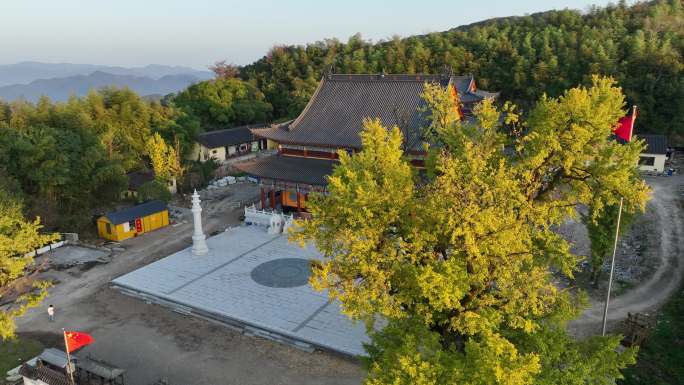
column 77, row 340
column 138, row 226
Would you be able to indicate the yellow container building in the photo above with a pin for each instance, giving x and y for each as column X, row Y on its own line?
column 133, row 221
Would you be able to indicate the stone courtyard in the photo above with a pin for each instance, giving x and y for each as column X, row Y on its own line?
column 252, row 280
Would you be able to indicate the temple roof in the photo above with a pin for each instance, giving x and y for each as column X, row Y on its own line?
column 44, row 375
column 227, row 137
column 335, row 113
column 290, row 168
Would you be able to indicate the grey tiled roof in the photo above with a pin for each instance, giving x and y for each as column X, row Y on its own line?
column 43, row 374
column 334, row 115
column 290, row 168
column 135, row 212
column 227, row 137
column 655, row 144
column 139, row 178
column 477, row 96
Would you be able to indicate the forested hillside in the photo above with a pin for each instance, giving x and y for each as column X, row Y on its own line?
column 523, row 57
column 64, row 160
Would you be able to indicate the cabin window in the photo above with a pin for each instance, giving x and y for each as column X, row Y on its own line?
column 243, row 147
column 646, row 160
column 255, row 146
column 293, row 196
column 214, row 151
column 108, row 228
column 131, row 224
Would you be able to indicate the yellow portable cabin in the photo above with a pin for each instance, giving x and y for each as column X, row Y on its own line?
column 132, row 221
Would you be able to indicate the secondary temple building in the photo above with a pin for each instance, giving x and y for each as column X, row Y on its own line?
column 333, row 119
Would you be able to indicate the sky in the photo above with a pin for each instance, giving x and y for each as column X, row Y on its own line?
column 197, row 33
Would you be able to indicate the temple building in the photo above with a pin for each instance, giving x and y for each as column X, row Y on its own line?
column 223, row 145
column 333, row 119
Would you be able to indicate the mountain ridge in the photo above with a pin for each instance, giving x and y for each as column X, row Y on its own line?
column 60, row 89
column 27, row 71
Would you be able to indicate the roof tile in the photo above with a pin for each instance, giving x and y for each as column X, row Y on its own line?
column 334, row 115
column 135, row 212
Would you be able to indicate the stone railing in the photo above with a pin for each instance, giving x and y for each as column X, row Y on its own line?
column 276, row 223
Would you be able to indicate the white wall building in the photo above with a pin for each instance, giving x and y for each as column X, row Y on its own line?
column 225, row 144
column 653, row 157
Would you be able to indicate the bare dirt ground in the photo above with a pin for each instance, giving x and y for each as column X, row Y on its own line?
column 151, row 342
column 667, row 261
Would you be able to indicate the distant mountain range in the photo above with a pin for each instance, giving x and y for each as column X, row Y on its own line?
column 31, row 80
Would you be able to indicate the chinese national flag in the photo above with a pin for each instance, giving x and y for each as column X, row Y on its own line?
column 625, row 126
column 77, row 340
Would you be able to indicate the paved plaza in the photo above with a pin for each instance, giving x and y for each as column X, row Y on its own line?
column 254, row 280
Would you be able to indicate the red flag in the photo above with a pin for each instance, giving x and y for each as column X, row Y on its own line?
column 77, row 340
column 626, row 126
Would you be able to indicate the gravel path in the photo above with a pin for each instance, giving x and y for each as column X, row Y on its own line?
column 650, row 294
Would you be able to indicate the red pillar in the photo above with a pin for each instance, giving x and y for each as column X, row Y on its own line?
column 273, row 205
column 263, row 198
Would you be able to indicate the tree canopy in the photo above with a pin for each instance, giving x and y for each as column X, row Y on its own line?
column 641, row 46
column 224, row 102
column 65, row 159
column 457, row 262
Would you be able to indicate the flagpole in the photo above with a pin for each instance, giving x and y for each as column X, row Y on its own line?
column 612, row 268
column 68, row 367
column 617, row 234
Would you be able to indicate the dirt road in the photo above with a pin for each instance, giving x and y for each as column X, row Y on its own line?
column 151, row 342
column 648, row 295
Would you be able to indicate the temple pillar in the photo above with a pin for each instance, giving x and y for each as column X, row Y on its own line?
column 199, row 244
column 299, row 202
column 273, row 203
column 263, row 198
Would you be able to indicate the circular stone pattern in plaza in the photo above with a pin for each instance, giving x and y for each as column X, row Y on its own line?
column 283, row 273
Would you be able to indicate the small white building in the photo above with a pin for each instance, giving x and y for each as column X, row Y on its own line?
column 653, row 157
column 225, row 144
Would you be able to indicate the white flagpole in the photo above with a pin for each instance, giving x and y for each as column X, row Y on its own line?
column 612, row 268
column 617, row 234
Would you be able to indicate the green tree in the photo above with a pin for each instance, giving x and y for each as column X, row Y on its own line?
column 642, row 46
column 18, row 238
column 156, row 189
column 224, row 102
column 459, row 265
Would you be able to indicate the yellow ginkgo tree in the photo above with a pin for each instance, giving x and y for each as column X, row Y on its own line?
column 18, row 238
column 458, row 260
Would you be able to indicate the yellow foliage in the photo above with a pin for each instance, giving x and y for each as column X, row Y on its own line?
column 462, row 259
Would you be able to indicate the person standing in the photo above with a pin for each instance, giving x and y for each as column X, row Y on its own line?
column 51, row 313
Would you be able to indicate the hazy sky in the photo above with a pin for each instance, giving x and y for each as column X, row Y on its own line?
column 197, row 33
